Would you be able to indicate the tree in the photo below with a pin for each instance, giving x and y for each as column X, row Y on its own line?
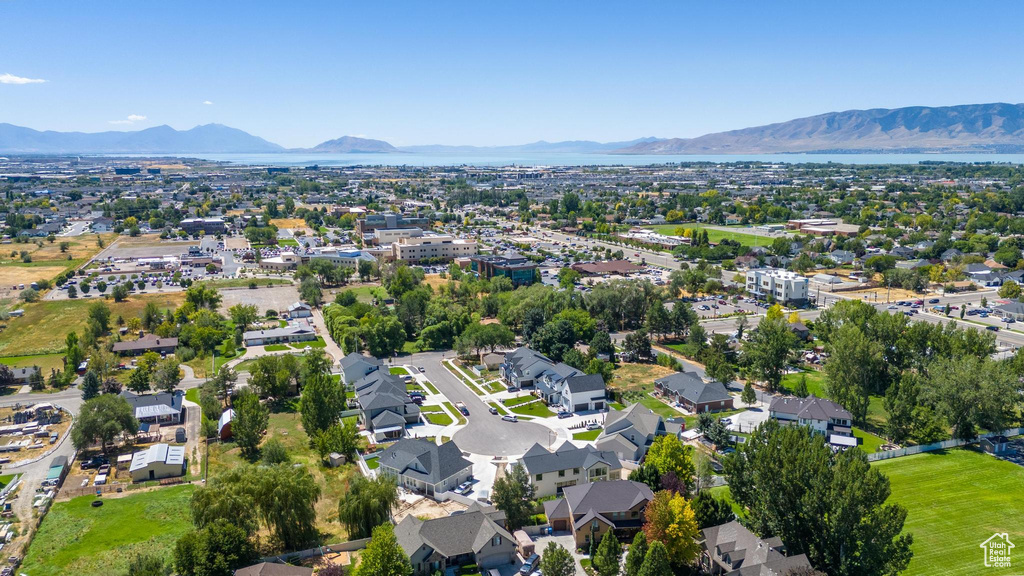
column 120, row 293
column 800, row 390
column 90, row 385
column 323, row 399
column 767, row 351
column 273, row 452
column 512, row 495
column 749, row 396
column 138, row 380
column 710, row 511
column 147, row 565
column 668, row 454
column 669, row 519
column 635, row 555
column 609, row 555
column 73, row 353
column 1010, row 290
column 830, row 506
column 367, row 504
column 383, row 556
column 854, row 369
column 167, row 375
column 972, row 394
column 338, row 438
column 557, row 561
column 567, row 278
column 310, row 292
column 656, row 562
column 202, row 296
column 250, row 423
column 601, row 343
column 637, row 346
column 598, row 366
column 100, row 313
column 102, row 419
column 244, row 315
column 216, row 550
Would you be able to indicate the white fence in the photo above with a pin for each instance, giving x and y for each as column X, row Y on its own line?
column 910, row 450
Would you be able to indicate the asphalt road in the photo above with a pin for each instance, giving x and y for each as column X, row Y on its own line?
column 484, row 433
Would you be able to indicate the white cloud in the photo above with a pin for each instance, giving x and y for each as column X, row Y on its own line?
column 12, row 79
column 207, row 102
column 131, row 119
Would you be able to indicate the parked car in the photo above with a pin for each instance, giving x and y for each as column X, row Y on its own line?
column 94, row 462
column 564, row 414
column 464, row 488
column 992, row 328
column 529, row 564
column 593, row 426
column 510, row 418
column 462, row 408
column 492, row 410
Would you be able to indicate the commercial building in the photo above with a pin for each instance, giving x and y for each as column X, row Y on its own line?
column 286, row 335
column 384, row 236
column 283, row 263
column 519, row 269
column 781, row 285
column 433, row 248
column 204, row 225
column 616, row 267
column 389, row 221
column 350, row 257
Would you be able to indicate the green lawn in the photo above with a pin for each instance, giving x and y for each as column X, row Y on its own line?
column 716, row 236
column 318, row 343
column 588, row 436
column 955, row 500
column 373, row 463
column 192, row 395
column 246, row 282
column 399, row 371
column 451, row 408
column 511, row 402
column 724, row 493
column 76, row 538
column 438, row 418
column 616, row 406
column 471, row 384
column 877, row 416
column 430, row 387
column 494, row 387
column 276, row 347
column 44, row 361
column 869, row 442
column 501, row 409
column 534, row 409
column 659, row 407
column 7, row 479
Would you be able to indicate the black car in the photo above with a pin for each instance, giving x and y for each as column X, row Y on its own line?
column 992, row 328
column 95, row 462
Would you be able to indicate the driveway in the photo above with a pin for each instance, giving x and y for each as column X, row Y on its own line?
column 565, row 540
column 484, row 433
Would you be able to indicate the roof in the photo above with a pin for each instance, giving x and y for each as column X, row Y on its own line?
column 158, row 454
column 747, row 553
column 423, row 460
column 277, row 332
column 147, row 342
column 585, row 383
column 269, row 569
column 225, row 418
column 449, row 536
column 810, row 408
column 356, row 365
column 539, row 460
column 152, row 405
column 604, row 498
column 693, row 388
column 621, row 267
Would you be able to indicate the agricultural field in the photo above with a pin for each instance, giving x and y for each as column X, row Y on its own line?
column 46, row 323
column 76, row 538
column 955, row 500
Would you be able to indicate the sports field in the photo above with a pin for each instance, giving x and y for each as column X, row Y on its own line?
column 956, row 500
column 716, row 235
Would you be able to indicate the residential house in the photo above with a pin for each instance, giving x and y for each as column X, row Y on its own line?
column 286, row 335
column 800, row 330
column 148, row 343
column 842, row 257
column 271, row 569
column 299, row 310
column 823, row 416
column 356, row 365
column 590, row 510
column 424, row 467
column 983, row 275
column 157, row 408
column 156, row 462
column 732, row 550
column 694, row 394
column 558, row 384
column 630, row 432
column 552, row 472
column 385, row 408
column 23, row 376
column 440, row 545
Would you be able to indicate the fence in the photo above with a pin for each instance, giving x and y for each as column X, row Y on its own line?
column 350, row 546
column 945, row 444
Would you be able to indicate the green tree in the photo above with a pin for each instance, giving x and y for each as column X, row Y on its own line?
column 668, row 454
column 250, row 423
column 749, row 396
column 323, row 399
column 800, row 390
column 830, row 506
column 609, row 554
column 367, row 504
column 636, row 554
column 99, row 312
column 512, row 495
column 767, row 351
column 342, row 438
column 854, row 368
column 120, row 293
column 90, row 385
column 972, row 394
column 557, row 561
column 656, row 562
column 383, row 556
column 244, row 315
column 102, row 419
column 138, row 380
column 167, row 374
column 567, row 278
column 216, row 550
column 1010, row 290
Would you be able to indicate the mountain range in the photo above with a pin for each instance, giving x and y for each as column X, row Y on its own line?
column 969, row 128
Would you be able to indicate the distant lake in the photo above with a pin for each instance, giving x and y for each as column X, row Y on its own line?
column 572, row 159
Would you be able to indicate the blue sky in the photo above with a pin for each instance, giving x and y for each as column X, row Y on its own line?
column 485, row 73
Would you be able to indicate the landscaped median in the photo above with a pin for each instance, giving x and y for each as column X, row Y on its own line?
column 469, row 382
column 451, row 408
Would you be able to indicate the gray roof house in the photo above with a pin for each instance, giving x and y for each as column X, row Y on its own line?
column 630, row 432
column 356, row 365
column 157, row 408
column 285, row 335
column 552, row 472
column 474, row 537
column 385, row 407
column 424, row 467
column 270, row 569
column 732, row 550
column 559, row 384
column 693, row 393
column 591, row 510
column 823, row 416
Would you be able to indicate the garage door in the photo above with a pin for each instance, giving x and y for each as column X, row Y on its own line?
column 579, row 408
column 598, row 405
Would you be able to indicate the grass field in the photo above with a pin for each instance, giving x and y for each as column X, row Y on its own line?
column 869, row 442
column 276, row 347
column 716, row 236
column 47, row 260
column 46, row 323
column 955, row 500
column 245, row 282
column 76, row 538
column 533, row 409
column 44, row 361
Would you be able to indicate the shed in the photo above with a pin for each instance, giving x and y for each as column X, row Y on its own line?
column 158, row 461
column 224, row 424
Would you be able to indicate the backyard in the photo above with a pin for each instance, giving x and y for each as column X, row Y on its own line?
column 76, row 538
column 955, row 500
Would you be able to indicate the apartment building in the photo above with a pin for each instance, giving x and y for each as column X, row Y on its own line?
column 781, row 285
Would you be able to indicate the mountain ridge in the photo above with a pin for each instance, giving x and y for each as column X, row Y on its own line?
column 206, row 138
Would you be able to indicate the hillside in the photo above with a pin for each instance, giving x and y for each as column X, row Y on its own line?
column 208, row 138
column 968, row 128
column 353, row 145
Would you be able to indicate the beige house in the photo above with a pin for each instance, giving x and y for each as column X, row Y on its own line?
column 552, row 472
column 591, row 510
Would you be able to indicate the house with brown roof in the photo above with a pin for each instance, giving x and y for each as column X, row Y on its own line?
column 271, row 569
column 590, row 510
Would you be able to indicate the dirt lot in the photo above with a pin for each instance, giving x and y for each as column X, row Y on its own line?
column 40, row 445
column 13, row 274
column 880, row 293
column 149, row 246
column 638, row 376
column 236, row 243
column 273, row 297
column 292, row 223
column 425, row 508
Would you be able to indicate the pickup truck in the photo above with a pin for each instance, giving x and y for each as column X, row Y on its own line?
column 462, row 408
